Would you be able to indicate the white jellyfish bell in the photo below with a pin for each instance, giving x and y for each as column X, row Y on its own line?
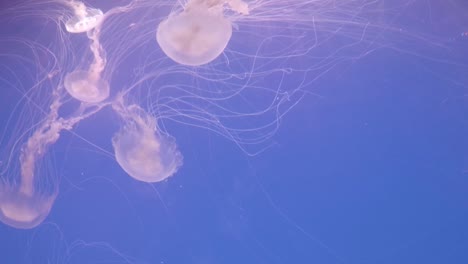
column 84, row 19
column 140, row 150
column 86, row 87
column 23, row 209
column 198, row 34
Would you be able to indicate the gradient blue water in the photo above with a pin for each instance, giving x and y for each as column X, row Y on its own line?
column 373, row 170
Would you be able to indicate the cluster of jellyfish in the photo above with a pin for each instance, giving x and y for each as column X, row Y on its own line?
column 196, row 77
column 194, row 36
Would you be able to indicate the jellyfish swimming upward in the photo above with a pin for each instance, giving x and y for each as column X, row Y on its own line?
column 231, row 67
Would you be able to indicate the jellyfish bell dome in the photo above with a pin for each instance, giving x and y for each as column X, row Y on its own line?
column 84, row 20
column 144, row 155
column 195, row 36
column 86, row 87
column 23, row 211
column 140, row 150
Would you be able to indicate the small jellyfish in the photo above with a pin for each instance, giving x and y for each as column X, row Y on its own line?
column 140, row 150
column 84, row 19
column 86, row 87
column 198, row 34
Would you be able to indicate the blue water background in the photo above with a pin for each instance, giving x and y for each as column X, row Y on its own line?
column 372, row 170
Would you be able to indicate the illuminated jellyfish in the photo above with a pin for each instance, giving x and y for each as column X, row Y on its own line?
column 87, row 86
column 22, row 203
column 22, row 208
column 84, row 18
column 266, row 77
column 280, row 50
column 140, row 149
column 26, row 195
column 28, row 188
column 198, row 34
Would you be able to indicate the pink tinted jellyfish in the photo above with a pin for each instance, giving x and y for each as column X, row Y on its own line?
column 23, row 208
column 198, row 34
column 28, row 187
column 23, row 203
column 143, row 152
column 87, row 86
column 84, row 18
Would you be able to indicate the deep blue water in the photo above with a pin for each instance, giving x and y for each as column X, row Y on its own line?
column 370, row 168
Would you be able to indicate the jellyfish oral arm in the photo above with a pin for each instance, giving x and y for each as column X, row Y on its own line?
column 99, row 60
column 37, row 144
column 33, row 150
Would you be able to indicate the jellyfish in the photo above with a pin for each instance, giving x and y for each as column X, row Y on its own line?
column 86, row 87
column 198, row 34
column 243, row 103
column 26, row 199
column 143, row 152
column 22, row 208
column 279, row 52
column 21, row 205
column 84, row 19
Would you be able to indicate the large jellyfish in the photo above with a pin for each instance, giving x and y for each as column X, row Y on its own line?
column 198, row 34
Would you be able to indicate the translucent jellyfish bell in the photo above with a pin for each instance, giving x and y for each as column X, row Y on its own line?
column 194, row 37
column 85, row 19
column 142, row 152
column 23, row 210
column 86, row 87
